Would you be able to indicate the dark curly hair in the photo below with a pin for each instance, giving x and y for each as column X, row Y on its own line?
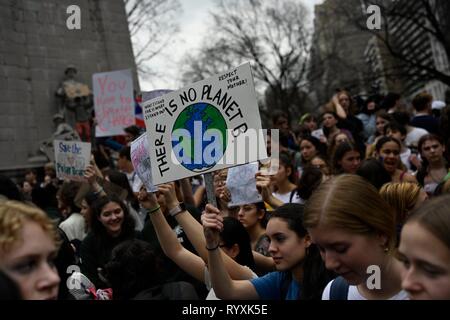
column 9, row 189
column 67, row 194
column 374, row 172
column 310, row 180
column 134, row 266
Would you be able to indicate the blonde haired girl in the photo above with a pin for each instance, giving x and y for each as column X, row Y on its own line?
column 355, row 229
column 403, row 198
column 425, row 251
column 28, row 247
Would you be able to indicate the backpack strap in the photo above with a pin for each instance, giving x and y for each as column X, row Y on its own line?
column 339, row 289
column 291, row 197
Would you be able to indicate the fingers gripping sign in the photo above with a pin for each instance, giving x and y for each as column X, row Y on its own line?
column 147, row 199
column 212, row 225
column 225, row 195
column 168, row 190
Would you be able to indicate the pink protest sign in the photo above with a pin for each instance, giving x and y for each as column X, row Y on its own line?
column 113, row 102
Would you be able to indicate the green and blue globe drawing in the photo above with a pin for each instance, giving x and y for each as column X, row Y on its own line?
column 191, row 145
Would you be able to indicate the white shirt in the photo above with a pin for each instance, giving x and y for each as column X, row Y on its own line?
column 405, row 158
column 413, row 137
column 286, row 197
column 138, row 216
column 134, row 181
column 353, row 294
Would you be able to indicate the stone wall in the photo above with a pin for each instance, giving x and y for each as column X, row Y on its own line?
column 35, row 48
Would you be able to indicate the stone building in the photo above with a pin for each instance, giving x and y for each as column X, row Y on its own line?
column 35, row 48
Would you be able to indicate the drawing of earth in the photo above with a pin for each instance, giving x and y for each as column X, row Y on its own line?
column 206, row 117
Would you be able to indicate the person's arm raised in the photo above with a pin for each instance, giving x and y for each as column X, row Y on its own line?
column 263, row 186
column 198, row 195
column 339, row 109
column 98, row 172
column 194, row 232
column 168, row 240
column 91, row 176
column 224, row 287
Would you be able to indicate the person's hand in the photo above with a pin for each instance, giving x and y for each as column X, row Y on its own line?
column 147, row 200
column 212, row 225
column 225, row 194
column 415, row 161
column 335, row 100
column 263, row 185
column 98, row 172
column 168, row 190
column 294, row 137
column 47, row 181
column 90, row 175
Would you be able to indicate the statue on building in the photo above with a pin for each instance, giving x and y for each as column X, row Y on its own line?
column 63, row 131
column 76, row 103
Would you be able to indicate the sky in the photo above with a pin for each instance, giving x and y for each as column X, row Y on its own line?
column 192, row 23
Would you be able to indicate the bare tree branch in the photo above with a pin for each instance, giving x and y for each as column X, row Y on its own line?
column 423, row 15
column 152, row 26
column 272, row 35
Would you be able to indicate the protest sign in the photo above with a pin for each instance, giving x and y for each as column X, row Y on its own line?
column 140, row 157
column 145, row 96
column 210, row 125
column 241, row 183
column 71, row 159
column 113, row 102
column 150, row 95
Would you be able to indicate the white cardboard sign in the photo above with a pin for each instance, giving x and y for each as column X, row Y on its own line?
column 71, row 159
column 210, row 125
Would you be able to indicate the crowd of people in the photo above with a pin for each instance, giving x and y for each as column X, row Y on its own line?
column 359, row 209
